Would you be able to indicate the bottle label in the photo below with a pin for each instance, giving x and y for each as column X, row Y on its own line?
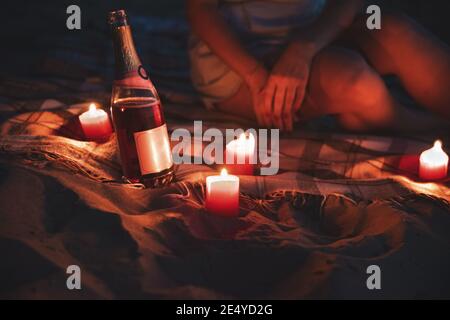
column 153, row 150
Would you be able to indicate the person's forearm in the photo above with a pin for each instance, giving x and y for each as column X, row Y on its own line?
column 207, row 22
column 337, row 16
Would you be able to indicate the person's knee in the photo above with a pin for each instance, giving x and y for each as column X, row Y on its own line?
column 349, row 77
column 362, row 85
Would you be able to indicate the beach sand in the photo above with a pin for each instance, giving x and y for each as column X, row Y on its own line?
column 320, row 247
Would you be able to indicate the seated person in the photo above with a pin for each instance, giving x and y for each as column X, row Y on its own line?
column 284, row 61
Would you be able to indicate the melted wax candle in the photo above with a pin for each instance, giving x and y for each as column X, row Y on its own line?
column 96, row 125
column 222, row 194
column 433, row 163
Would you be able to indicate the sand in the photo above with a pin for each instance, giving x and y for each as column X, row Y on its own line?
column 314, row 247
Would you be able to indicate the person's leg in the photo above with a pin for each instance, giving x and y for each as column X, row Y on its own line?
column 240, row 104
column 404, row 48
column 343, row 84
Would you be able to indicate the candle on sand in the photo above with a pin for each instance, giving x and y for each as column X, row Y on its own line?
column 96, row 125
column 222, row 194
column 433, row 163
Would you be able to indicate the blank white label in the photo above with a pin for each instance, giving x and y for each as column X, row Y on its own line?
column 153, row 150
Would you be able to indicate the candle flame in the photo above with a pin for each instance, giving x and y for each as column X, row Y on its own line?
column 92, row 108
column 437, row 145
column 224, row 172
column 435, row 156
column 245, row 142
column 246, row 138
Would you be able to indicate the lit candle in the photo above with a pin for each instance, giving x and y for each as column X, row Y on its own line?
column 222, row 194
column 433, row 163
column 96, row 125
column 240, row 152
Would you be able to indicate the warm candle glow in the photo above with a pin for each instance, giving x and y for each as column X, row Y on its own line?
column 222, row 194
column 93, row 111
column 92, row 108
column 224, row 172
column 435, row 156
column 241, row 154
column 434, row 163
column 95, row 123
column 246, row 143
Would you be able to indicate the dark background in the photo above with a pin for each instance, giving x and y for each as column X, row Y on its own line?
column 25, row 23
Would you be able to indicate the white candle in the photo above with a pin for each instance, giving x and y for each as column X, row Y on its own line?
column 95, row 123
column 222, row 194
column 239, row 155
column 433, row 163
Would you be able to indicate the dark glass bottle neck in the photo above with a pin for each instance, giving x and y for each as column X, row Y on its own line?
column 126, row 58
column 117, row 18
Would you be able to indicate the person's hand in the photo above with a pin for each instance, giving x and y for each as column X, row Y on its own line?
column 256, row 82
column 286, row 87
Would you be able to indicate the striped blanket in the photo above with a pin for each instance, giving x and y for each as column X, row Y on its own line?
column 361, row 166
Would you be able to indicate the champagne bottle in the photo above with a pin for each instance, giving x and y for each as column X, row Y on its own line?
column 137, row 113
